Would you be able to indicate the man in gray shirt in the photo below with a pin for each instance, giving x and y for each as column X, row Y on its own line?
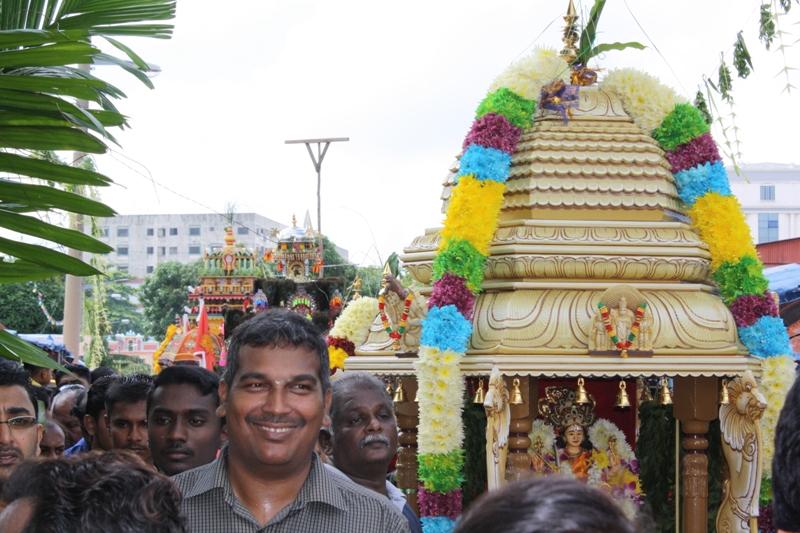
column 275, row 395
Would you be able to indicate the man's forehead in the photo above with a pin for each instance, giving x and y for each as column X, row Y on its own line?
column 177, row 396
column 129, row 410
column 366, row 399
column 278, row 360
column 15, row 396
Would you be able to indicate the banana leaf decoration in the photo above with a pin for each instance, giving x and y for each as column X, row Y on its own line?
column 588, row 49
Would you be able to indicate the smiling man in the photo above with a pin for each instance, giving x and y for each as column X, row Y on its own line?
column 183, row 425
column 362, row 439
column 20, row 431
column 126, row 414
column 275, row 396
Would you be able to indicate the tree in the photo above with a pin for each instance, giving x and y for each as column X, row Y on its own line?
column 21, row 311
column 39, row 40
column 122, row 314
column 164, row 295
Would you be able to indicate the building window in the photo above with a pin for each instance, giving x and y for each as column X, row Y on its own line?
column 194, row 231
column 150, row 232
column 767, row 227
column 102, row 232
column 211, row 228
column 162, row 232
column 173, row 250
column 122, row 232
column 150, row 250
column 122, row 250
column 149, row 270
column 162, row 250
column 767, row 192
column 173, row 231
column 194, row 249
column 241, row 230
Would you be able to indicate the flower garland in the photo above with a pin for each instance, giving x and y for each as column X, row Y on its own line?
column 470, row 224
column 40, row 300
column 172, row 330
column 350, row 330
column 622, row 345
column 395, row 335
column 717, row 216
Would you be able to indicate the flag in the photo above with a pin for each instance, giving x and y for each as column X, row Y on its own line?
column 203, row 338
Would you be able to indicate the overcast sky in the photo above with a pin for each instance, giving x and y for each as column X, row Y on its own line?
column 402, row 80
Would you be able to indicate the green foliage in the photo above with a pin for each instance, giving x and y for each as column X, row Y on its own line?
column 655, row 449
column 122, row 314
column 725, row 83
column 506, row 102
column 738, row 279
column 702, row 106
column 20, row 310
column 442, row 472
column 683, row 124
column 741, row 57
column 164, row 295
column 474, row 419
column 587, row 48
column 766, row 25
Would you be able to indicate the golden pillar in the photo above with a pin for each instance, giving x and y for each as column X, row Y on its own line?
column 695, row 405
column 407, row 421
column 518, row 464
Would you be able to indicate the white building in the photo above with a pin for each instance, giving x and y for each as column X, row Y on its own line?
column 141, row 242
column 770, row 201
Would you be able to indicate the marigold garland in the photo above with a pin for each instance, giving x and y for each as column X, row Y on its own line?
column 721, row 224
column 472, row 213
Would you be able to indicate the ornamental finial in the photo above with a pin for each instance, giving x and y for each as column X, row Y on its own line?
column 569, row 53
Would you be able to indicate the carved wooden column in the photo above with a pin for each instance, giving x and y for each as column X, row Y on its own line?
column 695, row 406
column 518, row 464
column 407, row 421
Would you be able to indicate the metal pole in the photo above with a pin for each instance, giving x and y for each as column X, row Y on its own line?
column 317, row 161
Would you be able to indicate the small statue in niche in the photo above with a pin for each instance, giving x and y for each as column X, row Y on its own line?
column 624, row 331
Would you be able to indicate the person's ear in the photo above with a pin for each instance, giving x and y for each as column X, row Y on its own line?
column 326, row 442
column 326, row 418
column 89, row 424
column 222, row 410
column 39, row 433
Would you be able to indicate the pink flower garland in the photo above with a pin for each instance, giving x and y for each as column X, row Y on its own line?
column 452, row 290
column 699, row 150
column 749, row 308
column 493, row 131
column 439, row 504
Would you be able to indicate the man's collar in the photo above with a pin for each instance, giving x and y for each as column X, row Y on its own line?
column 318, row 487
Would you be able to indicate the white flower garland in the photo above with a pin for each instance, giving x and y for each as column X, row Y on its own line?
column 354, row 322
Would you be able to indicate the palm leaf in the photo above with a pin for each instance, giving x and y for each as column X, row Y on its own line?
column 16, row 349
column 40, row 229
column 46, row 257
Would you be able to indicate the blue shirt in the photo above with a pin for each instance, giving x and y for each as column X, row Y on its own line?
column 80, row 447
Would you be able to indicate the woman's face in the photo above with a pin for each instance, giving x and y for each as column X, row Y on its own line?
column 574, row 437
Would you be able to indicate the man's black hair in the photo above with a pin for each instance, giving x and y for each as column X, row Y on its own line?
column 128, row 389
column 206, row 381
column 96, row 395
column 282, row 329
column 101, row 372
column 111, row 492
column 11, row 374
column 79, row 370
column 786, row 465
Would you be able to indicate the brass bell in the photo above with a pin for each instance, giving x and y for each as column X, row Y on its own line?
column 581, row 396
column 623, row 402
column 400, row 394
column 516, row 395
column 724, row 397
column 390, row 390
column 664, row 394
column 480, row 397
column 644, row 391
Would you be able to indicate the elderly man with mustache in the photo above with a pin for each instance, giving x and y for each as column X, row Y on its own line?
column 362, row 439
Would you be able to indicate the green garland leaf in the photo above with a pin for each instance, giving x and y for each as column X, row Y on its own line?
column 683, row 124
column 742, row 278
column 766, row 26
column 442, row 472
column 506, row 102
column 741, row 57
column 461, row 258
column 725, row 83
column 702, row 106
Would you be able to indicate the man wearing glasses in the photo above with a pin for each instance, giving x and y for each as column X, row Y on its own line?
column 20, row 431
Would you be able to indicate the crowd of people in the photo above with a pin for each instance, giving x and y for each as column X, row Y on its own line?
column 273, row 446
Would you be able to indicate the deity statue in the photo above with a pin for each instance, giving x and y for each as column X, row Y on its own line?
column 592, row 451
column 622, row 318
column 617, row 326
column 742, row 449
column 498, row 420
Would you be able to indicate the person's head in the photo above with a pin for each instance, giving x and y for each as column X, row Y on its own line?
column 53, row 440
column 126, row 414
column 545, row 505
column 80, row 376
column 363, row 431
column 102, row 372
column 40, row 374
column 786, row 465
column 275, row 392
column 93, row 493
column 574, row 436
column 19, row 439
column 182, row 423
column 62, row 409
column 94, row 418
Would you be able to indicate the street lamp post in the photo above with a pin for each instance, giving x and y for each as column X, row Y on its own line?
column 321, row 151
